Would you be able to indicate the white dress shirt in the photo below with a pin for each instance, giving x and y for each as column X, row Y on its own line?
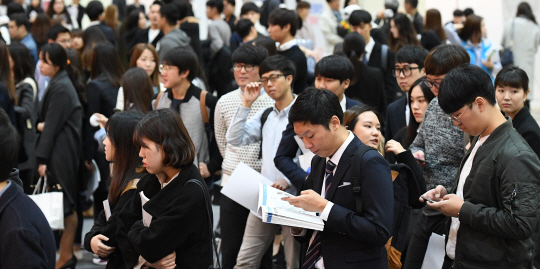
column 369, row 47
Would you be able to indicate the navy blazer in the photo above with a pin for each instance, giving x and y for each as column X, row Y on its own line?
column 287, row 150
column 349, row 239
column 395, row 117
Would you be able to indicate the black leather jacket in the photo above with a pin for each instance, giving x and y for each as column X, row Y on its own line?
column 499, row 219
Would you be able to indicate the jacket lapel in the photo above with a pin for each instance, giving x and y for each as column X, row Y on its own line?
column 344, row 163
column 318, row 175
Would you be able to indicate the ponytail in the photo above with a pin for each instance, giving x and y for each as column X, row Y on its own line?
column 355, row 60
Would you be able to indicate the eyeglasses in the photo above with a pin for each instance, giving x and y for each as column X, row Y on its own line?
column 454, row 118
column 247, row 67
column 272, row 78
column 165, row 68
column 407, row 71
column 432, row 84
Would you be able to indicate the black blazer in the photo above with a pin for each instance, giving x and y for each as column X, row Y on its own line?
column 369, row 88
column 395, row 117
column 390, row 84
column 80, row 15
column 27, row 239
column 107, row 31
column 179, row 222
column 349, row 239
column 142, row 37
column 527, row 127
column 287, row 150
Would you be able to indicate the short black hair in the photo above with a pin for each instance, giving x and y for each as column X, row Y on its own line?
column 170, row 12
column 282, row 17
column 232, row 2
column 20, row 19
column 56, row 30
column 413, row 3
column 303, row 4
column 157, row 2
column 359, row 16
column 247, row 7
column 468, row 11
column 444, row 58
column 215, row 3
column 185, row 60
column 335, row 67
column 243, row 27
column 9, row 141
column 512, row 76
column 185, row 8
column 266, row 42
column 412, row 54
column 463, row 85
column 13, row 8
column 316, row 107
column 278, row 63
column 429, row 39
column 458, row 13
column 249, row 54
column 94, row 9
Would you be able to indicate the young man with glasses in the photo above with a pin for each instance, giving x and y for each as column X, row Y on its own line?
column 493, row 201
column 409, row 67
column 441, row 144
column 233, row 216
column 277, row 76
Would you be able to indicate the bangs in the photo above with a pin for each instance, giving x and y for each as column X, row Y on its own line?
column 510, row 79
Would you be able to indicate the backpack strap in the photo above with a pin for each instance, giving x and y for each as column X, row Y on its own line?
column 204, row 113
column 356, row 179
column 384, row 57
column 157, row 99
column 264, row 117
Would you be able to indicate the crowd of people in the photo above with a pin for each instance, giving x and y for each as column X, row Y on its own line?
column 417, row 128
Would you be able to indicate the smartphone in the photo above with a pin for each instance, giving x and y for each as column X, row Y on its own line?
column 427, row 199
column 420, row 160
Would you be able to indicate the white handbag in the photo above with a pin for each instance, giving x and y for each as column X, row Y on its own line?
column 50, row 203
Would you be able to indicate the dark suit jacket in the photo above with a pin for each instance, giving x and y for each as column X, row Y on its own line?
column 27, row 239
column 287, row 150
column 142, row 37
column 390, row 84
column 107, row 31
column 349, row 239
column 527, row 127
column 395, row 117
column 369, row 88
column 80, row 15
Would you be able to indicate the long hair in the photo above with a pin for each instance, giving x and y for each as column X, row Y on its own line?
column 111, row 17
column 524, row 9
column 5, row 72
column 76, row 74
column 406, row 34
column 353, row 46
column 472, row 28
column 138, row 90
column 40, row 28
column 120, row 128
column 105, row 61
column 434, row 22
column 23, row 63
column 50, row 11
column 412, row 129
column 90, row 37
column 136, row 53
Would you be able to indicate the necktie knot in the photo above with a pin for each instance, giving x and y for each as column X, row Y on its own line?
column 329, row 167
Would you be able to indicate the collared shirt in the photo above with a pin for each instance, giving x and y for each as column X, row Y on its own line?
column 92, row 23
column 287, row 45
column 152, row 34
column 244, row 132
column 162, row 177
column 5, row 188
column 74, row 11
column 343, row 103
column 369, row 47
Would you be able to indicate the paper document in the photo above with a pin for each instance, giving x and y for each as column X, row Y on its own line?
column 243, row 186
column 146, row 218
column 107, row 209
column 274, row 210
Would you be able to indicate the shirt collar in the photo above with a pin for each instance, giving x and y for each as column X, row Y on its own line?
column 343, row 103
column 287, row 45
column 92, row 23
column 4, row 189
column 337, row 156
column 161, row 178
column 285, row 110
column 369, row 47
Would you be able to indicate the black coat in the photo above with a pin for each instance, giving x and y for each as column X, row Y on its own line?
column 26, row 114
column 369, row 88
column 390, row 84
column 179, row 222
column 27, row 239
column 59, row 145
column 526, row 126
column 7, row 104
column 298, row 57
column 395, row 117
column 142, row 37
column 107, row 31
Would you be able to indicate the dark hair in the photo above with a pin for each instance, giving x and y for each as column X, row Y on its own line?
column 249, row 6
column 120, row 128
column 91, row 36
column 458, row 13
column 463, row 85
column 282, row 17
column 434, row 22
column 524, row 10
column 335, row 67
column 56, row 30
column 391, row 4
column 185, row 9
column 512, row 76
column 406, row 33
column 6, row 79
column 413, row 3
column 75, row 73
column 472, row 28
column 136, row 54
column 243, row 27
column 166, row 128
column 40, row 28
column 13, row 8
column 215, row 4
column 278, row 63
column 444, row 58
column 232, row 2
column 468, row 11
column 359, row 16
column 412, row 54
column 266, row 42
column 138, row 90
column 170, row 12
column 316, row 107
column 131, row 21
column 429, row 39
column 9, row 143
column 350, row 117
column 94, row 9
column 20, row 19
column 23, row 63
column 354, row 46
column 50, row 11
column 107, row 62
column 303, row 4
column 249, row 54
column 412, row 129
column 185, row 60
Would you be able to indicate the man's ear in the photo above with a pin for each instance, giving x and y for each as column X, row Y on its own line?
column 423, row 71
column 481, row 102
column 346, row 84
column 184, row 74
column 287, row 27
column 334, row 123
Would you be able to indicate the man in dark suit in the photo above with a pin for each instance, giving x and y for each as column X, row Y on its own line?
column 352, row 237
column 152, row 34
column 412, row 12
column 408, row 68
column 94, row 10
column 333, row 73
column 27, row 240
column 78, row 11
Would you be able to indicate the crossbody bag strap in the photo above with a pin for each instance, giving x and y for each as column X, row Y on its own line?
column 356, row 178
column 204, row 112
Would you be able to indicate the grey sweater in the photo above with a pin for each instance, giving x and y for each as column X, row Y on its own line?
column 173, row 39
column 219, row 34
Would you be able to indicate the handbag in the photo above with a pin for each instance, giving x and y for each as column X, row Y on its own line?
column 435, row 253
column 506, row 54
column 217, row 264
column 50, row 203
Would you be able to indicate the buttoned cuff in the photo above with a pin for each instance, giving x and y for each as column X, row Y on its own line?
column 326, row 211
